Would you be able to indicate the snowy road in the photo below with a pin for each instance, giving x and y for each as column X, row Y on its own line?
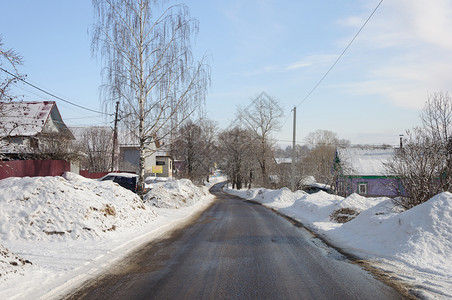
column 236, row 249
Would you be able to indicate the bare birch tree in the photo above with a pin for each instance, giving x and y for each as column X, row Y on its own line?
column 424, row 164
column 437, row 117
column 262, row 118
column 420, row 167
column 149, row 67
column 9, row 58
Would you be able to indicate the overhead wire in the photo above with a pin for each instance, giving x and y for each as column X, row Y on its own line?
column 340, row 56
column 53, row 95
column 335, row 62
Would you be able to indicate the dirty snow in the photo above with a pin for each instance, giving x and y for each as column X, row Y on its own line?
column 56, row 232
column 414, row 246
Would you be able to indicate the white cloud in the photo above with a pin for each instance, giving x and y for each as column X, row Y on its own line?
column 313, row 60
column 298, row 65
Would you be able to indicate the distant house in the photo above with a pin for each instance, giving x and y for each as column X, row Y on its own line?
column 157, row 162
column 29, row 126
column 362, row 170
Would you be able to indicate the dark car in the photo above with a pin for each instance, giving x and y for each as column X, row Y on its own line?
column 316, row 187
column 126, row 180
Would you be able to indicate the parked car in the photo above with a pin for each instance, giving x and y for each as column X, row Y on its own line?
column 317, row 187
column 126, row 180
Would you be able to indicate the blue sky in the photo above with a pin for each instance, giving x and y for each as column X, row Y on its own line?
column 372, row 95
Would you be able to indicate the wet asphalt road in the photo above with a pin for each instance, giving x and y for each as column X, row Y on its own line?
column 236, row 250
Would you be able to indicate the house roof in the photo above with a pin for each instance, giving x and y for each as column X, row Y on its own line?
column 283, row 160
column 365, row 161
column 30, row 118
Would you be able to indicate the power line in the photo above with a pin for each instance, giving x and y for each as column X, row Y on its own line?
column 53, row 95
column 340, row 56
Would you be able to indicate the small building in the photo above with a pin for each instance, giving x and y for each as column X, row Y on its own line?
column 362, row 170
column 26, row 127
column 157, row 163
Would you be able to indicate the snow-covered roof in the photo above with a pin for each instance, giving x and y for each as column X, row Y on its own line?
column 283, row 160
column 30, row 118
column 365, row 161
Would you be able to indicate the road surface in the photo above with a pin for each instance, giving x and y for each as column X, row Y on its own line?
column 236, row 250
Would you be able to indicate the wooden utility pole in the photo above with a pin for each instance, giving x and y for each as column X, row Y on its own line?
column 115, row 138
column 293, row 147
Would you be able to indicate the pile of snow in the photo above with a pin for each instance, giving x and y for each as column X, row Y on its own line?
column 352, row 206
column 282, row 197
column 415, row 244
column 175, row 194
column 420, row 237
column 360, row 203
column 315, row 208
column 71, row 227
column 68, row 207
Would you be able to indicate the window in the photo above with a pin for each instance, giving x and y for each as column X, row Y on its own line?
column 362, row 188
column 160, row 163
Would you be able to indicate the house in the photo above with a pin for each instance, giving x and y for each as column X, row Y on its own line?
column 26, row 127
column 362, row 170
column 33, row 140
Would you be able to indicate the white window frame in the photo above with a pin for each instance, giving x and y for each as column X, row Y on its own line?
column 364, row 186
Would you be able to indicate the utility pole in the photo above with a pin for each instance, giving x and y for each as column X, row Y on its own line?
column 293, row 147
column 115, row 138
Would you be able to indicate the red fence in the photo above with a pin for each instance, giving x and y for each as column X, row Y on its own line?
column 22, row 168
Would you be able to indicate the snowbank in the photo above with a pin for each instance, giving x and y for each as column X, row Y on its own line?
column 70, row 207
column 420, row 237
column 61, row 230
column 415, row 244
column 175, row 194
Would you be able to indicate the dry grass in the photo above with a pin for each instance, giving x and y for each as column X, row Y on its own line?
column 343, row 215
column 109, row 210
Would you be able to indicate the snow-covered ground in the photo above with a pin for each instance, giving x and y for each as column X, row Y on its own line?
column 56, row 232
column 414, row 246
